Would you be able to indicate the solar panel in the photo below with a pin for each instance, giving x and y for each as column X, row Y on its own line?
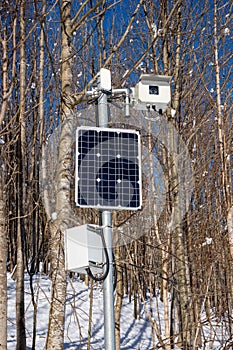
column 108, row 168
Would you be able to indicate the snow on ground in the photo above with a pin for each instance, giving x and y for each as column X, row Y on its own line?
column 135, row 334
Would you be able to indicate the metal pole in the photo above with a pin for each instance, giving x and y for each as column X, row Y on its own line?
column 108, row 292
column 109, row 320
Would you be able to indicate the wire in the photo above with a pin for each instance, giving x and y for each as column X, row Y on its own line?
column 114, row 273
column 88, row 270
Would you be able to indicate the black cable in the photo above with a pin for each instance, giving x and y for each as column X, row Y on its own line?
column 88, row 270
column 114, row 272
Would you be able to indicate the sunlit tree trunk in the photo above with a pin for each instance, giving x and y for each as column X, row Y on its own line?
column 3, row 242
column 119, row 296
column 37, row 135
column 90, row 314
column 3, row 277
column 224, row 157
column 230, row 228
column 177, row 202
column 55, row 336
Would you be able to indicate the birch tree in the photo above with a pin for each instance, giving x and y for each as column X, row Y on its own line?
column 3, row 262
column 6, row 92
column 222, row 125
column 55, row 336
column 63, row 209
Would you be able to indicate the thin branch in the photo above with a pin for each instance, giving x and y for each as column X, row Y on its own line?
column 75, row 26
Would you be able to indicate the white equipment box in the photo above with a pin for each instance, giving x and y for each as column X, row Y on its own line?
column 83, row 249
column 152, row 91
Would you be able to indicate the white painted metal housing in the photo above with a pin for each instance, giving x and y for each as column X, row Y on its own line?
column 152, row 91
column 83, row 249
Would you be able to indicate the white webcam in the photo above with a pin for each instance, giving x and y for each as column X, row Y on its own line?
column 152, row 92
column 105, row 79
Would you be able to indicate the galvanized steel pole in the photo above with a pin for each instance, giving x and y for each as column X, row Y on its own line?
column 108, row 292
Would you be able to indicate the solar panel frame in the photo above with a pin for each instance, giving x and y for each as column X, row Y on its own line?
column 108, row 168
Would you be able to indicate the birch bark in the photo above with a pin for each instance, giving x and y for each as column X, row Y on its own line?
column 226, row 183
column 55, row 336
column 3, row 278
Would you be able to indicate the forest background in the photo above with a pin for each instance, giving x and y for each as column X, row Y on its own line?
column 51, row 52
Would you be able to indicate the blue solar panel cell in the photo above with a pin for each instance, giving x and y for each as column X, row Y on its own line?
column 108, row 168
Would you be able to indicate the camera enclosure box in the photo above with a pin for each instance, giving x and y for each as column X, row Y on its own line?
column 83, row 249
column 152, row 92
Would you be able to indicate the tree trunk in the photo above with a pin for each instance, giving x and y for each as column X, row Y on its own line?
column 20, row 315
column 230, row 228
column 90, row 315
column 177, row 203
column 3, row 278
column 226, row 182
column 3, row 240
column 55, row 336
column 119, row 297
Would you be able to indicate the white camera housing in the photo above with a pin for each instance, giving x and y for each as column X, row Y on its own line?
column 152, row 92
column 105, row 79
